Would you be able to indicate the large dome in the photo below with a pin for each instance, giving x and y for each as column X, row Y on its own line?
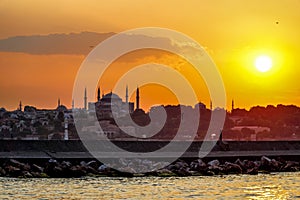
column 111, row 96
column 61, row 108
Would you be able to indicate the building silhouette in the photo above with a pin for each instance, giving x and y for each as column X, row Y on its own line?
column 111, row 105
column 98, row 94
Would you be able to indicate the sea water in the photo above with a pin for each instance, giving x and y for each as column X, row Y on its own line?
column 262, row 186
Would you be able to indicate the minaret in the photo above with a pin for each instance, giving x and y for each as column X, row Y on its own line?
column 85, row 99
column 210, row 106
column 58, row 102
column 20, row 106
column 137, row 98
column 73, row 106
column 232, row 105
column 98, row 94
column 126, row 96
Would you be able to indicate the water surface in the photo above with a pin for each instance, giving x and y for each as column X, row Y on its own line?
column 262, row 186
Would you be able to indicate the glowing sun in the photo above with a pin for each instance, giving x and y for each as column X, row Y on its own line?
column 263, row 63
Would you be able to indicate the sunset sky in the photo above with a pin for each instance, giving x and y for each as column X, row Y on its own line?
column 233, row 32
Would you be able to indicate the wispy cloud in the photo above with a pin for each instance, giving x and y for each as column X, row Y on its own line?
column 73, row 43
column 80, row 43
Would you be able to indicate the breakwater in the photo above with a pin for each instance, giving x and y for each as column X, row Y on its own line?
column 198, row 167
column 58, row 158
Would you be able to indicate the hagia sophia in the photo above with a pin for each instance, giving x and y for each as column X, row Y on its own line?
column 111, row 104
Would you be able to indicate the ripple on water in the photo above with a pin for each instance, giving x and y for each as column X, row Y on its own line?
column 262, row 186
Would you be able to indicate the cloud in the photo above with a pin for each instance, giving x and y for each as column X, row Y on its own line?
column 73, row 43
column 79, row 43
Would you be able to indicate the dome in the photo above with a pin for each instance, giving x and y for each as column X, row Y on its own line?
column 61, row 108
column 111, row 96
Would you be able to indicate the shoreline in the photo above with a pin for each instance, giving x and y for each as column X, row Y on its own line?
column 78, row 168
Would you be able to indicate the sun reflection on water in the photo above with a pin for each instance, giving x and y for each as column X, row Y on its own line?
column 263, row 186
column 266, row 192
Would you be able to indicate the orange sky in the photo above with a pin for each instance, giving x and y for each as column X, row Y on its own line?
column 234, row 32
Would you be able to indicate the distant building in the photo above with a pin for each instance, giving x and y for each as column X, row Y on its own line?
column 200, row 106
column 111, row 105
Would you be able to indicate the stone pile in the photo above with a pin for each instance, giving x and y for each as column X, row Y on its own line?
column 55, row 168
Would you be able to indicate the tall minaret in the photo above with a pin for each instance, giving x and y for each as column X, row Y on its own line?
column 85, row 99
column 20, row 106
column 98, row 94
column 137, row 98
column 73, row 106
column 58, row 102
column 232, row 105
column 210, row 106
column 126, row 96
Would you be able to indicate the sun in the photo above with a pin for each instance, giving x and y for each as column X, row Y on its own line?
column 263, row 63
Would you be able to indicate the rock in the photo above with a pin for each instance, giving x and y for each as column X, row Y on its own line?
column 66, row 164
column 53, row 168
column 177, row 166
column 157, row 165
column 198, row 165
column 93, row 164
column 103, row 168
column 214, row 163
column 13, row 171
column 147, row 162
column 265, row 160
column 51, row 164
column 183, row 171
column 20, row 165
column 15, row 163
column 91, row 170
column 269, row 165
column 180, row 163
column 44, row 175
column 209, row 173
column 57, row 170
column 37, row 168
column 39, row 175
column 83, row 163
column 54, row 171
column 164, row 173
column 216, row 169
column 2, row 172
column 52, row 161
column 171, row 167
column 252, row 171
column 36, row 174
column 265, row 163
column 77, row 171
column 275, row 165
column 124, row 161
column 290, row 166
column 233, row 168
column 26, row 174
column 250, row 164
column 127, row 169
column 257, row 163
column 240, row 163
